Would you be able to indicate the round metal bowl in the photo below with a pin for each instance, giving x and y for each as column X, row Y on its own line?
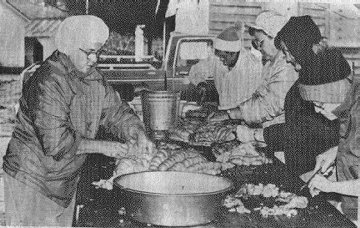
column 173, row 198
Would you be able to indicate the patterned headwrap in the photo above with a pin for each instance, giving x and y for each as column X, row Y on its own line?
column 228, row 40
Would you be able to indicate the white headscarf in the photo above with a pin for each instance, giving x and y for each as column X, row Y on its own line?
column 271, row 22
column 84, row 31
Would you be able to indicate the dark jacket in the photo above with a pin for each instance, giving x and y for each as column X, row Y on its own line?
column 304, row 135
column 60, row 106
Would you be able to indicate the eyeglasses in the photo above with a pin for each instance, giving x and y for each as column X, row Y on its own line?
column 318, row 104
column 257, row 44
column 92, row 52
column 289, row 57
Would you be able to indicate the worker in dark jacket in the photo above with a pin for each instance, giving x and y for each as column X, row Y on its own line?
column 309, row 128
column 63, row 104
column 346, row 155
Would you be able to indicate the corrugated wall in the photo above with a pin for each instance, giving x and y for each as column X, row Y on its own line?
column 345, row 33
column 224, row 13
column 335, row 28
column 352, row 55
column 319, row 14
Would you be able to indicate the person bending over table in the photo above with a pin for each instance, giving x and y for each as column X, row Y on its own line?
column 346, row 156
column 234, row 70
column 63, row 104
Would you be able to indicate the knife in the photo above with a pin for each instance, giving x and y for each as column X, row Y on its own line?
column 312, row 176
column 327, row 173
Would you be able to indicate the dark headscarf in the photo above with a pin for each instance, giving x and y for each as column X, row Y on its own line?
column 300, row 34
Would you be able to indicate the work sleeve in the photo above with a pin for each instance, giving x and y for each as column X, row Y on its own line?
column 274, row 137
column 306, row 132
column 307, row 139
column 349, row 116
column 117, row 117
column 50, row 105
column 267, row 102
column 354, row 133
column 304, row 126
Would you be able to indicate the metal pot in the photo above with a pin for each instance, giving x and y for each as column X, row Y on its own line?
column 173, row 198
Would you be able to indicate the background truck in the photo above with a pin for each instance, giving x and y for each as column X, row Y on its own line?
column 182, row 52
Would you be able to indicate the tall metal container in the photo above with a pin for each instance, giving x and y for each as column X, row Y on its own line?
column 160, row 109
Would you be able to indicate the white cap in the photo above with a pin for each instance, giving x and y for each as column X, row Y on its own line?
column 84, row 31
column 270, row 22
column 228, row 40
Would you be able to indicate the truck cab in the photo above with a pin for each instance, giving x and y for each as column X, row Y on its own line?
column 182, row 52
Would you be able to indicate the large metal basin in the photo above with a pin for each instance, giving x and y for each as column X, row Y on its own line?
column 173, row 198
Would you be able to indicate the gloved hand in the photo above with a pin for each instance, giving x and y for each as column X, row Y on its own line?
column 218, row 116
column 245, row 134
column 325, row 159
column 137, row 138
column 320, row 183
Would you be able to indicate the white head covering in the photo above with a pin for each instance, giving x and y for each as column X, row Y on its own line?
column 84, row 31
column 270, row 22
column 228, row 40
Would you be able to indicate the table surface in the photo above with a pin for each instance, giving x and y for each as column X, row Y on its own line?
column 99, row 207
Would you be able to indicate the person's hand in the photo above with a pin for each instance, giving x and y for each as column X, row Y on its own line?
column 139, row 143
column 320, row 183
column 244, row 134
column 218, row 116
column 115, row 149
column 324, row 160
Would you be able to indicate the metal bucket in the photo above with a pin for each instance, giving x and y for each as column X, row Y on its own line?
column 160, row 109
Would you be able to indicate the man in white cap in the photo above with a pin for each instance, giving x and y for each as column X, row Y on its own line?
column 266, row 105
column 64, row 103
column 235, row 70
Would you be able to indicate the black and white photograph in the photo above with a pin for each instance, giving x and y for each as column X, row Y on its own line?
column 180, row 113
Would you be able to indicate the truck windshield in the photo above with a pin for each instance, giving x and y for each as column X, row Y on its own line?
column 190, row 52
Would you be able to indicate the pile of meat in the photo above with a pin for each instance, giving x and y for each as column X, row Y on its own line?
column 180, row 159
column 239, row 154
column 202, row 133
column 290, row 202
column 168, row 157
column 184, row 128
